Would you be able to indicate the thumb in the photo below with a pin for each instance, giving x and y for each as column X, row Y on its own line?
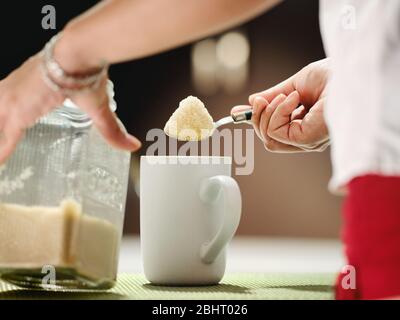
column 112, row 128
column 106, row 121
column 8, row 141
column 241, row 108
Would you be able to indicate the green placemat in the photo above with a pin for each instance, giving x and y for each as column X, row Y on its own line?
column 233, row 286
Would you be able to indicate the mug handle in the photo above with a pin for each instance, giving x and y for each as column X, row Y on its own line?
column 212, row 191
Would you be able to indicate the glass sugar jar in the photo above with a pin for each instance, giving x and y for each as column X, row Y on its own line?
column 62, row 204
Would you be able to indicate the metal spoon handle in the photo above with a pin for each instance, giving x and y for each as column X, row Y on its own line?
column 242, row 116
column 237, row 117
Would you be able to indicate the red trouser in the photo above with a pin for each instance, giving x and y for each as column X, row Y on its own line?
column 371, row 235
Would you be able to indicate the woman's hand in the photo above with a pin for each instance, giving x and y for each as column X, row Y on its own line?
column 289, row 116
column 25, row 97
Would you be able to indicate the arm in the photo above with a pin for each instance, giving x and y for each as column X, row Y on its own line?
column 133, row 29
column 114, row 31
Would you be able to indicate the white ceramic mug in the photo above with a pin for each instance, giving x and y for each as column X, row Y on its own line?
column 190, row 209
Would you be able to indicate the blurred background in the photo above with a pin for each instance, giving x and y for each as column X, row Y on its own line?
column 286, row 195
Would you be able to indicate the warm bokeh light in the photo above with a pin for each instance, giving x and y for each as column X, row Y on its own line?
column 233, row 50
column 204, row 66
column 221, row 63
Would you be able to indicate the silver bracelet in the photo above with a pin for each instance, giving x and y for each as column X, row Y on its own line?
column 61, row 81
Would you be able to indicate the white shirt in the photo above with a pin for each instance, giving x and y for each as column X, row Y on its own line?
column 363, row 109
